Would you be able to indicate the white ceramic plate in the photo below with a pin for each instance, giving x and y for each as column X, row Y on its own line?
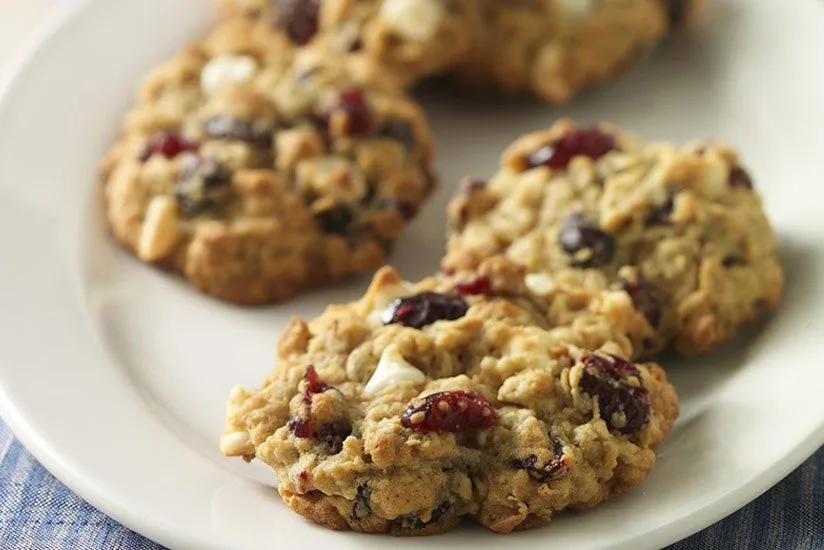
column 115, row 375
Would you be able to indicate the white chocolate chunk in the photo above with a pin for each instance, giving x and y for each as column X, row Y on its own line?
column 539, row 283
column 227, row 69
column 160, row 229
column 576, row 9
column 413, row 19
column 385, row 299
column 236, row 443
column 392, row 369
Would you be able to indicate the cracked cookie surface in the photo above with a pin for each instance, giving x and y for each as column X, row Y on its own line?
column 680, row 230
column 256, row 174
column 422, row 404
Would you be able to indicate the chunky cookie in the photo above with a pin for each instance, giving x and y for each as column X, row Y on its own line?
column 256, row 175
column 681, row 231
column 408, row 38
column 421, row 404
column 556, row 48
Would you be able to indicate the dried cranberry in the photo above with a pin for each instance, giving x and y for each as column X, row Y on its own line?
column 588, row 142
column 399, row 130
column 624, row 406
column 407, row 209
column 424, row 309
column 300, row 428
column 229, row 127
column 740, row 178
column 202, row 185
column 313, row 384
column 646, row 297
column 585, row 243
column 449, row 411
column 167, row 144
column 546, row 472
column 297, row 18
column 352, row 106
column 414, row 522
column 335, row 220
column 480, row 286
column 661, row 215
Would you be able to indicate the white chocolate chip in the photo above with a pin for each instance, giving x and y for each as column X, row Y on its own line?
column 575, row 9
column 160, row 229
column 226, row 69
column 385, row 299
column 392, row 369
column 235, row 444
column 539, row 283
column 413, row 19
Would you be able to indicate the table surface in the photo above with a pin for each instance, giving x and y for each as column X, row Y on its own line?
column 38, row 512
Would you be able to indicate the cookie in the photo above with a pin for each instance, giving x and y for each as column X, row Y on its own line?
column 257, row 171
column 410, row 39
column 422, row 404
column 558, row 48
column 682, row 231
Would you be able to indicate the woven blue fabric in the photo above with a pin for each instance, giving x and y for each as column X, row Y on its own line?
column 37, row 512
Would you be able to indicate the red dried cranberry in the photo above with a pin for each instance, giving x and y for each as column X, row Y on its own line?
column 352, row 104
column 546, row 472
column 646, row 297
column 480, row 286
column 449, row 411
column 623, row 406
column 424, row 309
column 300, row 428
column 335, row 220
column 167, row 144
column 588, row 142
column 313, row 384
column 586, row 244
column 202, row 185
column 740, row 178
column 297, row 18
column 231, row 128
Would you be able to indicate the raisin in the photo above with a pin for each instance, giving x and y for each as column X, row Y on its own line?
column 231, row 128
column 480, row 286
column 586, row 244
column 646, row 297
column 167, row 144
column 740, row 178
column 424, row 309
column 588, row 142
column 361, row 507
column 351, row 111
column 399, row 130
column 624, row 405
column 331, row 435
column 298, row 19
column 449, row 411
column 547, row 472
column 335, row 220
column 733, row 260
column 202, row 185
column 414, row 522
column 661, row 215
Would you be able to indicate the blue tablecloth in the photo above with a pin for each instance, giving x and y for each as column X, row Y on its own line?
column 37, row 512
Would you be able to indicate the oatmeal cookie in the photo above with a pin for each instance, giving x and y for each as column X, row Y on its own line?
column 422, row 404
column 256, row 174
column 556, row 48
column 682, row 231
column 410, row 39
